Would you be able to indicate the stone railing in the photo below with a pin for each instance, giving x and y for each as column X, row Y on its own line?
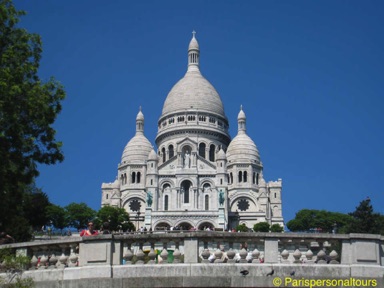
column 190, row 250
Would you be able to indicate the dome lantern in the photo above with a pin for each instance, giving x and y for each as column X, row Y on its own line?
column 241, row 120
column 193, row 54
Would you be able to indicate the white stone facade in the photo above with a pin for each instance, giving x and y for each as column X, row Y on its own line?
column 198, row 177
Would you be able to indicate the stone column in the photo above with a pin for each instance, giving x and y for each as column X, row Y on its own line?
column 271, row 250
column 191, row 250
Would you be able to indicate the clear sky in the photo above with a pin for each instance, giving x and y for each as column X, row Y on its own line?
column 309, row 75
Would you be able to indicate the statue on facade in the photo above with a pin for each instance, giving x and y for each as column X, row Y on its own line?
column 149, row 198
column 221, row 197
column 187, row 159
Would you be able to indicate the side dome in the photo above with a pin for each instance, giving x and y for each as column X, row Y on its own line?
column 242, row 149
column 137, row 150
column 139, row 147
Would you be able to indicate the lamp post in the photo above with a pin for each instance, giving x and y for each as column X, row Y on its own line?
column 334, row 228
column 137, row 217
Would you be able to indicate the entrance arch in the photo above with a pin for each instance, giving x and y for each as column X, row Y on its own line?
column 205, row 225
column 185, row 226
column 162, row 226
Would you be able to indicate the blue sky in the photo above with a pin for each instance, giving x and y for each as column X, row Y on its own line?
column 309, row 75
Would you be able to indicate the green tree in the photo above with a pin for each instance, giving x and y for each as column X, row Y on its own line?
column 277, row 228
column 117, row 218
column 261, row 227
column 79, row 214
column 57, row 215
column 364, row 220
column 28, row 108
column 35, row 201
column 307, row 219
column 242, row 228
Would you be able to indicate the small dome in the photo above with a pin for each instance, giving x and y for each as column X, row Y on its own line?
column 242, row 149
column 193, row 44
column 221, row 155
column 137, row 150
column 152, row 156
column 140, row 115
column 241, row 115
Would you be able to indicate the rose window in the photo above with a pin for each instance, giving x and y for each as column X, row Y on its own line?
column 243, row 205
column 135, row 205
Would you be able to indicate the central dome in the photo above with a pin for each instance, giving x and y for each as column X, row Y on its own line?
column 193, row 91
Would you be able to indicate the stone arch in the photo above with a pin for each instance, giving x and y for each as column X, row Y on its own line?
column 162, row 225
column 184, row 225
column 202, row 225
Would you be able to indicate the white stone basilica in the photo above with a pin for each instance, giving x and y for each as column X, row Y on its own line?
column 199, row 177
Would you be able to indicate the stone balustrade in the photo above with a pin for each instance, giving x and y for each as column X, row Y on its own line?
column 93, row 255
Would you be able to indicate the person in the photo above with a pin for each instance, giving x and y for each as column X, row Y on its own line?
column 5, row 238
column 106, row 228
column 90, row 231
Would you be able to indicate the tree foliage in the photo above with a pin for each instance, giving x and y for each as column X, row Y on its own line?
column 28, row 108
column 58, row 216
column 35, row 202
column 242, row 228
column 365, row 220
column 79, row 214
column 307, row 219
column 117, row 218
column 261, row 227
column 276, row 228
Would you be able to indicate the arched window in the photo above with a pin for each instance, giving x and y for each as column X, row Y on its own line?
column 257, row 178
column 163, row 152
column 245, row 176
column 171, row 151
column 185, row 185
column 254, row 177
column 202, row 150
column 133, row 177
column 138, row 177
column 106, row 196
column 122, row 179
column 206, row 202
column 151, row 181
column 240, row 176
column 166, row 187
column 212, row 149
column 166, row 203
column 221, row 181
column 206, row 187
column 231, row 178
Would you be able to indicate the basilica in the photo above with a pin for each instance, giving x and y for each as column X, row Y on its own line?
column 199, row 177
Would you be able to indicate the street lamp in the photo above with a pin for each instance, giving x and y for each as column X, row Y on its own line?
column 334, row 228
column 137, row 217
